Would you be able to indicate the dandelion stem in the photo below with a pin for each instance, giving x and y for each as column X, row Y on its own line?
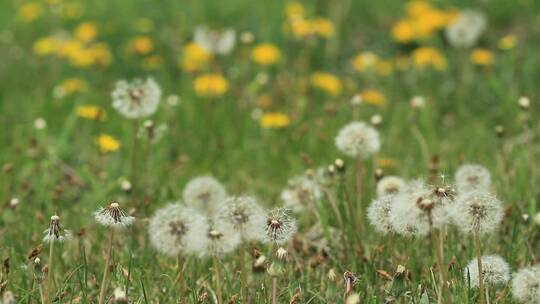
column 217, row 274
column 135, row 142
column 181, row 282
column 359, row 189
column 274, row 289
column 50, row 286
column 104, row 281
column 480, row 270
column 243, row 275
column 42, row 294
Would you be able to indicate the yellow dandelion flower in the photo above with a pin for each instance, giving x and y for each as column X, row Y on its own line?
column 365, row 61
column 73, row 85
column 373, row 97
column 194, row 57
column 30, row 11
column 141, row 45
column 91, row 112
column 507, row 42
column 86, row 32
column 429, row 57
column 430, row 22
column 101, row 53
column 46, row 46
column 301, row 27
column 403, row 31
column 69, row 47
column 323, row 27
column 265, row 54
column 211, row 85
column 327, row 82
column 482, row 57
column 274, row 120
column 82, row 58
column 107, row 143
column 418, row 8
column 294, row 10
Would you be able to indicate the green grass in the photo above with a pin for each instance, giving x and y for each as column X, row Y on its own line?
column 219, row 137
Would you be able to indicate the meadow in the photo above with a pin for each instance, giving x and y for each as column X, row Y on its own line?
column 276, row 151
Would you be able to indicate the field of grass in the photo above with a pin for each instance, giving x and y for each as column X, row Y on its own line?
column 254, row 123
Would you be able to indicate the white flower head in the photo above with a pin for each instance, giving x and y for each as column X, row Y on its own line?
column 56, row 232
column 378, row 213
column 472, row 178
column 245, row 215
column 477, row 212
column 358, row 139
column 136, row 99
column 176, row 229
column 221, row 240
column 215, row 42
column 113, row 216
column 280, row 225
column 204, row 193
column 495, row 270
column 526, row 285
column 390, row 185
column 301, row 192
column 466, row 29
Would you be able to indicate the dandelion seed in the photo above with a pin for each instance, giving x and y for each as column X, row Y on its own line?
column 281, row 253
column 526, row 285
column 390, row 185
column 358, row 139
column 221, row 240
column 113, row 216
column 136, row 99
column 472, row 178
column 280, row 225
column 477, row 212
column 40, row 123
column 176, row 229
column 204, row 193
column 495, row 270
column 466, row 29
column 215, row 42
column 301, row 192
column 379, row 213
column 245, row 215
column 56, row 232
column 524, row 102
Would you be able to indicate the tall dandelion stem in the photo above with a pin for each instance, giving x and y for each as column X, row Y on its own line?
column 181, row 282
column 274, row 290
column 480, row 270
column 134, row 145
column 243, row 275
column 359, row 188
column 217, row 274
column 49, row 290
column 105, row 279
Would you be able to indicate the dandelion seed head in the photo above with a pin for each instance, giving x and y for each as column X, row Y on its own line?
column 245, row 215
column 56, row 232
column 495, row 270
column 378, row 213
column 221, row 240
column 204, row 193
column 280, row 225
column 215, row 42
column 390, row 185
column 477, row 212
column 358, row 139
column 136, row 99
column 301, row 192
column 472, row 178
column 113, row 216
column 526, row 285
column 176, row 229
column 466, row 29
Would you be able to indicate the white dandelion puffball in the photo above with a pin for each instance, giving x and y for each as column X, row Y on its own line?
column 245, row 215
column 466, row 29
column 390, row 185
column 222, row 239
column 136, row 99
column 204, row 193
column 418, row 208
column 495, row 270
column 472, row 178
column 301, row 192
column 378, row 213
column 526, row 285
column 56, row 232
column 477, row 212
column 280, row 225
column 358, row 139
column 215, row 42
column 176, row 229
column 113, row 216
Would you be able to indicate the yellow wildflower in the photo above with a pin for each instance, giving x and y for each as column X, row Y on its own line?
column 365, row 61
column 73, row 85
column 418, row 8
column 194, row 57
column 295, row 10
column 107, row 143
column 482, row 57
column 91, row 112
column 141, row 45
column 101, row 53
column 265, row 54
column 373, row 97
column 323, row 27
column 211, row 85
column 429, row 57
column 274, row 120
column 507, row 42
column 46, row 46
column 301, row 27
column 86, row 32
column 30, row 11
column 403, row 31
column 327, row 82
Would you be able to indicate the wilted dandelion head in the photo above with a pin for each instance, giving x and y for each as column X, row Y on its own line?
column 495, row 270
column 176, row 229
column 245, row 215
column 136, row 99
column 472, row 178
column 358, row 139
column 390, row 185
column 526, row 285
column 466, row 29
column 204, row 193
column 477, row 212
column 280, row 225
column 56, row 232
column 222, row 239
column 301, row 192
column 379, row 213
column 113, row 216
column 215, row 42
